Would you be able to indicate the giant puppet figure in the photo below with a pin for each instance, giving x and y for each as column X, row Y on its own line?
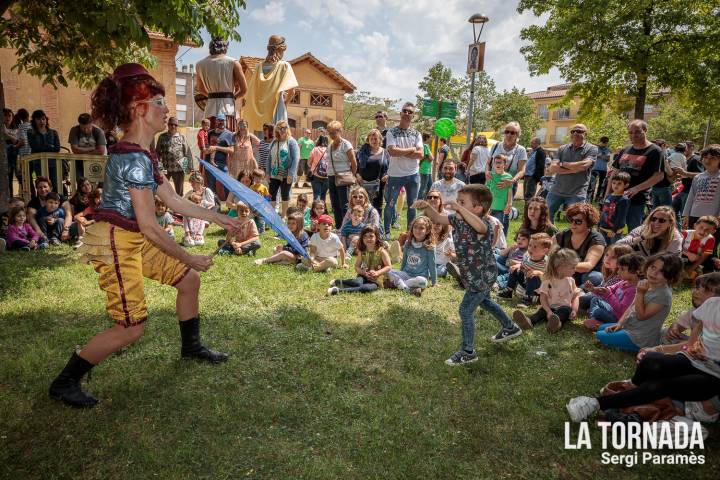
column 220, row 82
column 271, row 86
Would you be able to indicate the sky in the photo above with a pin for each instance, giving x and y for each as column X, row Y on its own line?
column 387, row 46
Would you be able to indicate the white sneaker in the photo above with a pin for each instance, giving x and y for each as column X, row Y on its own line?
column 696, row 411
column 333, row 291
column 199, row 241
column 580, row 408
column 687, row 421
column 188, row 242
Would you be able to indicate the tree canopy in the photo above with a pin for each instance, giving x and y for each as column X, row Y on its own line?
column 515, row 105
column 614, row 48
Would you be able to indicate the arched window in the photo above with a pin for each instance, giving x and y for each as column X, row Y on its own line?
column 319, row 124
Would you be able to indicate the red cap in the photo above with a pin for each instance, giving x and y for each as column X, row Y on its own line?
column 325, row 219
column 130, row 70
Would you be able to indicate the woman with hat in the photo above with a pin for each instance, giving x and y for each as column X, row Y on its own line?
column 126, row 243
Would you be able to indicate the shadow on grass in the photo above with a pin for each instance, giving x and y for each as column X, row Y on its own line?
column 16, row 266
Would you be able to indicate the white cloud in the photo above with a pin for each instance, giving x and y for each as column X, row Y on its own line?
column 272, row 13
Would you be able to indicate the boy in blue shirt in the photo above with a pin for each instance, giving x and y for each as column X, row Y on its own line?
column 613, row 214
column 472, row 236
column 51, row 218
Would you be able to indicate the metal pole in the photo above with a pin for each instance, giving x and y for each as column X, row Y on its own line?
column 192, row 90
column 707, row 132
column 470, row 111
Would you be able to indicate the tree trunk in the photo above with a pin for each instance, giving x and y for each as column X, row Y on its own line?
column 4, row 185
column 640, row 98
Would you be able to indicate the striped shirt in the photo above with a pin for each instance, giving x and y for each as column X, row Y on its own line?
column 263, row 154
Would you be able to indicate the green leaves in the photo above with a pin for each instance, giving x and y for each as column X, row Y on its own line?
column 514, row 105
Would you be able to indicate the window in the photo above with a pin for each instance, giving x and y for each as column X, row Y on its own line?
column 319, row 124
column 180, row 84
column 541, row 133
column 181, row 112
column 292, row 123
column 320, row 100
column 649, row 108
column 543, row 112
column 295, row 100
column 562, row 114
column 560, row 135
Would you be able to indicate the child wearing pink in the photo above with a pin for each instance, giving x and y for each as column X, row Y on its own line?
column 608, row 304
column 21, row 237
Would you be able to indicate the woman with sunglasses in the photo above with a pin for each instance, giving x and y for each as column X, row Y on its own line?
column 586, row 242
column 516, row 158
column 658, row 234
column 126, row 243
column 282, row 164
column 359, row 197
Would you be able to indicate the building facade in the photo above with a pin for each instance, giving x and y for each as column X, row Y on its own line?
column 187, row 113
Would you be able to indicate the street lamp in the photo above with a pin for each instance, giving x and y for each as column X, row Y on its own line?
column 481, row 20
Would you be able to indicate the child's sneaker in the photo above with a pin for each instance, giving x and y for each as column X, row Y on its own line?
column 461, row 357
column 505, row 293
column 525, row 302
column 188, row 242
column 199, row 241
column 506, row 334
column 580, row 408
column 454, row 272
column 301, row 267
column 332, row 283
column 333, row 291
column 415, row 291
column 696, row 411
column 554, row 324
column 522, row 320
column 592, row 324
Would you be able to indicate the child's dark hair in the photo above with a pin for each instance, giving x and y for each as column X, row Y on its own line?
column 159, row 203
column 291, row 210
column 542, row 238
column 302, row 198
column 480, row 195
column 708, row 219
column 378, row 240
column 315, row 203
column 622, row 177
column 524, row 233
column 53, row 196
column 672, row 267
column 710, row 282
column 242, row 175
column 14, row 213
column 618, row 250
column 442, row 233
column 258, row 172
column 634, row 262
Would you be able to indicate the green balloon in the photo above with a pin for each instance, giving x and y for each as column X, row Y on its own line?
column 444, row 128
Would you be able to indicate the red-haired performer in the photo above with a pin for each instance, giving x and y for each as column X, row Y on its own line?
column 126, row 243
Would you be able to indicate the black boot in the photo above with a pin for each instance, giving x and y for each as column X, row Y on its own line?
column 191, row 345
column 66, row 386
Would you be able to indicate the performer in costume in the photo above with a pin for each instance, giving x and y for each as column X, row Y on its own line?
column 220, row 82
column 126, row 243
column 271, row 86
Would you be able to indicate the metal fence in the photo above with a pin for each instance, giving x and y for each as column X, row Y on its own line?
column 63, row 170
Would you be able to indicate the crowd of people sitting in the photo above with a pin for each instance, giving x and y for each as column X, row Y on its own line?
column 629, row 242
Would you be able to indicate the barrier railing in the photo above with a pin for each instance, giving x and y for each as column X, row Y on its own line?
column 66, row 168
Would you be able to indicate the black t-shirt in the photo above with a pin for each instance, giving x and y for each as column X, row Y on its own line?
column 641, row 164
column 564, row 240
column 693, row 165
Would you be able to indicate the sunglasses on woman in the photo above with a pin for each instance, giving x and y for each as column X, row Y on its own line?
column 433, row 197
column 158, row 102
column 576, row 221
column 658, row 220
column 510, row 132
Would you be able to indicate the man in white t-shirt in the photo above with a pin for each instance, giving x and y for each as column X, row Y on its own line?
column 449, row 186
column 405, row 146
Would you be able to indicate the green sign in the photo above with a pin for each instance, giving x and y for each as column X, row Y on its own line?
column 430, row 108
column 448, row 110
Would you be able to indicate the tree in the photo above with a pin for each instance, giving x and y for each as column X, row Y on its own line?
column 514, row 105
column 608, row 124
column 614, row 48
column 82, row 41
column 485, row 95
column 440, row 85
column 678, row 121
column 359, row 111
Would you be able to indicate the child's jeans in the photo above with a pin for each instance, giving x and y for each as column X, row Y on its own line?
column 618, row 339
column 562, row 311
column 248, row 248
column 358, row 284
column 403, row 281
column 601, row 310
column 500, row 215
column 470, row 302
column 51, row 231
column 441, row 270
column 501, row 264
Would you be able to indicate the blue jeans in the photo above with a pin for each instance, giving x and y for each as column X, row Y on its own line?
column 394, row 184
column 556, row 201
column 619, row 339
column 661, row 196
column 338, row 200
column 500, row 215
column 679, row 205
column 506, row 220
column 441, row 270
column 501, row 264
column 601, row 310
column 320, row 187
column 470, row 302
column 635, row 215
column 425, row 184
column 596, row 278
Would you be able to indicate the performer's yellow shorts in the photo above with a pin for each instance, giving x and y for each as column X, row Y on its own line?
column 123, row 258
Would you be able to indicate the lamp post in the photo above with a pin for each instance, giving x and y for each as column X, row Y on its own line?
column 481, row 20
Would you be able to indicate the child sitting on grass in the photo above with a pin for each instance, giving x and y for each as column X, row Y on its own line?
column 164, row 219
column 372, row 265
column 84, row 219
column 194, row 227
column 706, row 286
column 51, row 218
column 20, row 234
column 246, row 240
column 608, row 304
column 641, row 324
column 444, row 249
column 302, row 205
column 559, row 296
column 418, row 263
column 698, row 245
column 351, row 230
column 476, row 265
column 318, row 209
column 325, row 248
column 286, row 254
column 232, row 201
column 609, row 272
column 527, row 275
column 513, row 254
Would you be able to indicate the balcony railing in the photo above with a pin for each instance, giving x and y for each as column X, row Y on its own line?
column 563, row 115
column 65, row 170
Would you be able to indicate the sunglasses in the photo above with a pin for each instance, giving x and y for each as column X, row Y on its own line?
column 158, row 102
column 576, row 221
column 357, row 196
column 577, row 131
column 407, row 111
column 510, row 132
column 658, row 220
column 282, row 128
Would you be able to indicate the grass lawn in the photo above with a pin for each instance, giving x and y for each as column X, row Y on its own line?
column 317, row 387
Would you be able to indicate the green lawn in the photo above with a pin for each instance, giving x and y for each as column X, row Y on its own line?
column 316, row 387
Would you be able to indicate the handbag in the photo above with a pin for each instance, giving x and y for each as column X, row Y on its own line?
column 342, row 179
